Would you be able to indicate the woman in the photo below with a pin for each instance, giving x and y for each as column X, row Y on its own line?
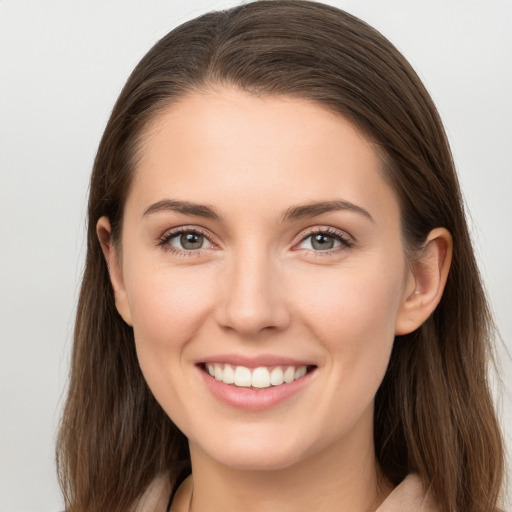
column 280, row 294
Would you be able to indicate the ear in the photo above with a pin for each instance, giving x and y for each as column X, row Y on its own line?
column 111, row 253
column 427, row 279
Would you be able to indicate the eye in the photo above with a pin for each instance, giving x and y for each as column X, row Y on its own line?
column 325, row 240
column 186, row 240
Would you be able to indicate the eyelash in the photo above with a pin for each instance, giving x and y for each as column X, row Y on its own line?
column 165, row 239
column 345, row 241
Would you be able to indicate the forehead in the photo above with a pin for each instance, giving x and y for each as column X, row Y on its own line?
column 229, row 144
column 213, row 115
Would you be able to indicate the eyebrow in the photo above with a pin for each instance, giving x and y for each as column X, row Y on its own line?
column 314, row 209
column 293, row 213
column 185, row 207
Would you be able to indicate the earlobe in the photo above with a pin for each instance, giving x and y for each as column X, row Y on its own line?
column 112, row 257
column 429, row 272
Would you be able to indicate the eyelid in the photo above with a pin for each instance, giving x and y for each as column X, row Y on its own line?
column 345, row 238
column 164, row 239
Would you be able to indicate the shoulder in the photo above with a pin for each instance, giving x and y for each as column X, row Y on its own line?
column 409, row 496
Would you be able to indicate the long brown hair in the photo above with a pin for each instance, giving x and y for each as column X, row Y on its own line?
column 433, row 414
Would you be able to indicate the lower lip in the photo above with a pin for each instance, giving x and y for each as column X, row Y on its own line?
column 251, row 399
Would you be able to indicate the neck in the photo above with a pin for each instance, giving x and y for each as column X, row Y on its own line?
column 336, row 479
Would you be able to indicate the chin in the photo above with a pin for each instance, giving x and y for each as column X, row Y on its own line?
column 253, row 454
column 256, row 460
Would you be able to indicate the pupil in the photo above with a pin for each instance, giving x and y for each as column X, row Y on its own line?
column 191, row 241
column 322, row 242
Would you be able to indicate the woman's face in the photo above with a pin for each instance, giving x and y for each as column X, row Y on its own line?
column 260, row 242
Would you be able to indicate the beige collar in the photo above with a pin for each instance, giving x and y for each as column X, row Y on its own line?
column 409, row 496
column 183, row 498
column 156, row 497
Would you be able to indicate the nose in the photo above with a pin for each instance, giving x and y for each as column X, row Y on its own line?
column 253, row 296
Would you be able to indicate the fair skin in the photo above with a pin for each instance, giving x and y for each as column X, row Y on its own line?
column 254, row 277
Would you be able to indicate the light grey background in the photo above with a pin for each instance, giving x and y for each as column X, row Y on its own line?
column 62, row 64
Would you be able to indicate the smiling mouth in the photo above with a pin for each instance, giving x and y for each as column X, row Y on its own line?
column 262, row 377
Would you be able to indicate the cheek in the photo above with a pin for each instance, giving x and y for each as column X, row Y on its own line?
column 352, row 299
column 167, row 309
column 354, row 317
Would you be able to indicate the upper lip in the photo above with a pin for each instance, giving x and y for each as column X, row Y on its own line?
column 269, row 360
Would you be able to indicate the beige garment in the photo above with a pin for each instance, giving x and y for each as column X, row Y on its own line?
column 406, row 497
column 409, row 496
column 156, row 497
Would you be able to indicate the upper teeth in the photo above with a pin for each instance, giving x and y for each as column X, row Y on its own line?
column 261, row 377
